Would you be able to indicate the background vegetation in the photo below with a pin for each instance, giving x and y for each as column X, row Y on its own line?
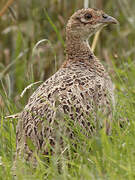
column 21, row 27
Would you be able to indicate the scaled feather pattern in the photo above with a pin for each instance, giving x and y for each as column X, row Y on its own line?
column 78, row 90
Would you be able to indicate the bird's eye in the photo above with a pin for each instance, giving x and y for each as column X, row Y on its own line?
column 105, row 16
column 88, row 16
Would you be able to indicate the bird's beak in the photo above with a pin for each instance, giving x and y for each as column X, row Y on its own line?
column 106, row 19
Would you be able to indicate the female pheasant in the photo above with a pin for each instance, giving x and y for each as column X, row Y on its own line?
column 77, row 91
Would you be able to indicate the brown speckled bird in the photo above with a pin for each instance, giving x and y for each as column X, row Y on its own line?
column 78, row 90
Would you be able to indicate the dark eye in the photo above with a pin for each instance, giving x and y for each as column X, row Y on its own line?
column 88, row 16
column 104, row 16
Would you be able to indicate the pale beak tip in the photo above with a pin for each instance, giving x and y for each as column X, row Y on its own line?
column 109, row 20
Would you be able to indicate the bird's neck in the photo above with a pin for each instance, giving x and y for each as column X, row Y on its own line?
column 77, row 49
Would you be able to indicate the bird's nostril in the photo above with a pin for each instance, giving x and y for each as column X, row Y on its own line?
column 105, row 16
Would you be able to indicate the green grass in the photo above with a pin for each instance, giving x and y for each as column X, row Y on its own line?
column 100, row 157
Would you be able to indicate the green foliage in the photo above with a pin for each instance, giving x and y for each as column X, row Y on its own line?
column 55, row 28
column 101, row 156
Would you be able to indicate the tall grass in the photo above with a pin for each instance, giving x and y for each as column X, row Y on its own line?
column 101, row 156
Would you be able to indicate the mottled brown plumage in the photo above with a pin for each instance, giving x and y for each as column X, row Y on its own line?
column 79, row 89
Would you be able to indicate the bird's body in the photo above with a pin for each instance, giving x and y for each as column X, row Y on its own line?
column 79, row 89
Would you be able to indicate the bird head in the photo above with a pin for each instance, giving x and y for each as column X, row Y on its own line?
column 86, row 22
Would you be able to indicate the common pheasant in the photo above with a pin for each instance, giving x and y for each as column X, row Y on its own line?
column 78, row 90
